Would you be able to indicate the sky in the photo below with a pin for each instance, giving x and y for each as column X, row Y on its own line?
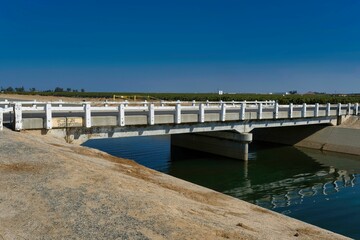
column 181, row 45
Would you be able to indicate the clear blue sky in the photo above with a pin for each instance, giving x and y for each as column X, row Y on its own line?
column 181, row 46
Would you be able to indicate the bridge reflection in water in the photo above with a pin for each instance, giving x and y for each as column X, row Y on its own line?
column 273, row 178
column 317, row 174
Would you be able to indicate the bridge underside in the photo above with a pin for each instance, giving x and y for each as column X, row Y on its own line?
column 82, row 134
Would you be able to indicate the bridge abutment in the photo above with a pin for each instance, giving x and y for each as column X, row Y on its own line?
column 228, row 144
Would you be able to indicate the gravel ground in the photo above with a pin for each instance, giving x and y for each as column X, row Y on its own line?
column 53, row 190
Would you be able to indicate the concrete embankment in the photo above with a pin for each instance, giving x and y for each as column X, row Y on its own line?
column 344, row 138
column 53, row 190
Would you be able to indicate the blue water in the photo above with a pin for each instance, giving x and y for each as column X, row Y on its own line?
column 319, row 188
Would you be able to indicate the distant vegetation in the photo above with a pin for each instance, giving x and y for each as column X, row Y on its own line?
column 281, row 98
column 22, row 90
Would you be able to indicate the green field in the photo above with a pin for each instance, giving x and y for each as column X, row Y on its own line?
column 282, row 99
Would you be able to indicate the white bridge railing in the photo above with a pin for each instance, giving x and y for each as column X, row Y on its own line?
column 48, row 115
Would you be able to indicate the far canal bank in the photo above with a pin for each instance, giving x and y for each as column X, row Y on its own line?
column 344, row 138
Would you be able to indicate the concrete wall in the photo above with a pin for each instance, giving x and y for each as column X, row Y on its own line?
column 342, row 139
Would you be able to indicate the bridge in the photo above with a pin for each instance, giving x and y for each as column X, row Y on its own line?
column 215, row 127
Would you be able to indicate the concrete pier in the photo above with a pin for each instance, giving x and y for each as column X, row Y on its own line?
column 228, row 144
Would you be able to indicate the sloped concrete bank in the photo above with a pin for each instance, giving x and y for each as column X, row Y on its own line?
column 53, row 190
column 344, row 138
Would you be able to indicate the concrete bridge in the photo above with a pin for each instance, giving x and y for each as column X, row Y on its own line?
column 217, row 127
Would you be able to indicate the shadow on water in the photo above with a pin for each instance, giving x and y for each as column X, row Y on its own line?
column 317, row 187
column 273, row 177
column 238, row 178
column 310, row 185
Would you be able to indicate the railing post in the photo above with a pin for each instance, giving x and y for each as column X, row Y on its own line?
column 87, row 115
column 126, row 103
column 48, row 119
column 276, row 110
column 18, row 116
column 260, row 110
column 223, row 112
column 316, row 110
column 339, row 109
column 328, row 109
column 151, row 116
column 304, row 110
column 348, row 109
column 207, row 103
column 121, row 115
column 242, row 111
column 145, row 103
column 193, row 103
column 291, row 110
column 178, row 113
column 201, row 113
column 356, row 112
column 1, row 119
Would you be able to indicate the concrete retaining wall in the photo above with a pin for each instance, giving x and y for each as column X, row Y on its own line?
column 342, row 139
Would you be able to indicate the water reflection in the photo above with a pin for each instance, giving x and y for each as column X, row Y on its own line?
column 273, row 178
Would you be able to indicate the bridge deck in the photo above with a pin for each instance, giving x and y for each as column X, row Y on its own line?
column 170, row 115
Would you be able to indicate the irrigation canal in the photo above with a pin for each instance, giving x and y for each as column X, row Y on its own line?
column 313, row 186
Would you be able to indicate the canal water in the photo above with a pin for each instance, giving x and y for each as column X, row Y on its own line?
column 313, row 186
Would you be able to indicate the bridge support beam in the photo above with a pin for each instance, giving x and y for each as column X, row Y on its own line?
column 1, row 119
column 228, row 144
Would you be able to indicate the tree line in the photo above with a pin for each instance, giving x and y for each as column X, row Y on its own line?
column 34, row 90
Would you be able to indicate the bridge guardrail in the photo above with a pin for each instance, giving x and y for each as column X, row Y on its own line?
column 177, row 112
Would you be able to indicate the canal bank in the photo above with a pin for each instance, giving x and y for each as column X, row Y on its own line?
column 344, row 138
column 50, row 189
